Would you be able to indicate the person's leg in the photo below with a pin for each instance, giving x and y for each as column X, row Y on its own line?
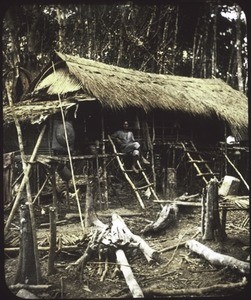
column 135, row 156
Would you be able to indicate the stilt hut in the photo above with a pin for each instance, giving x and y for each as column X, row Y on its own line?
column 173, row 117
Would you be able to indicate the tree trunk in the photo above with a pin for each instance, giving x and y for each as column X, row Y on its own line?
column 62, row 25
column 214, row 46
column 239, row 49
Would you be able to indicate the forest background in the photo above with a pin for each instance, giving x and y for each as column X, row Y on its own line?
column 203, row 39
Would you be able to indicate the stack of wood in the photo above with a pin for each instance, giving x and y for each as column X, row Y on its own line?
column 116, row 239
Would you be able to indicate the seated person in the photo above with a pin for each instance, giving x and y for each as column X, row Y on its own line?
column 128, row 145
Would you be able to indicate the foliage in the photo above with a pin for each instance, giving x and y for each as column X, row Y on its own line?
column 165, row 38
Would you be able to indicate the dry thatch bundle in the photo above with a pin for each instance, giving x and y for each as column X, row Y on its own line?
column 116, row 88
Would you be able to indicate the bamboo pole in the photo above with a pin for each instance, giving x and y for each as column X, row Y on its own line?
column 24, row 180
column 104, row 162
column 236, row 170
column 70, row 159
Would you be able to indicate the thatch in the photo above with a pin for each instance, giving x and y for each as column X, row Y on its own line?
column 117, row 88
column 33, row 113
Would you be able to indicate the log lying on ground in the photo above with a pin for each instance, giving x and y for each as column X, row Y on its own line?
column 122, row 235
column 128, row 274
column 167, row 216
column 217, row 258
column 225, row 287
column 33, row 287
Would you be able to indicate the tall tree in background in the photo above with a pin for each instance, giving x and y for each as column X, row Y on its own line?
column 239, row 50
column 160, row 38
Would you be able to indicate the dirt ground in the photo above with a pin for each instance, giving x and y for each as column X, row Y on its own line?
column 177, row 268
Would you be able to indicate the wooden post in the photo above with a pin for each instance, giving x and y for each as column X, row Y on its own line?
column 171, row 184
column 104, row 163
column 219, row 234
column 208, row 226
column 203, row 211
column 54, row 185
column 26, row 270
column 212, row 227
column 67, row 194
column 53, row 239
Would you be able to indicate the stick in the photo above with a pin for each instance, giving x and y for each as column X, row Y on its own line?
column 217, row 258
column 178, row 244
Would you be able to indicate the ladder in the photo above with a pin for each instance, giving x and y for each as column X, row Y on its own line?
column 130, row 180
column 201, row 166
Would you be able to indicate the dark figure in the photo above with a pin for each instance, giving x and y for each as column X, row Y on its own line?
column 128, row 145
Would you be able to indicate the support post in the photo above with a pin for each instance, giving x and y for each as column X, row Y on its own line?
column 26, row 270
column 53, row 239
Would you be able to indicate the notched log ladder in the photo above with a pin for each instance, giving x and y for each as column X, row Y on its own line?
column 201, row 166
column 135, row 189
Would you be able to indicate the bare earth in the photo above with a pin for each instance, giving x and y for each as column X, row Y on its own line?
column 177, row 268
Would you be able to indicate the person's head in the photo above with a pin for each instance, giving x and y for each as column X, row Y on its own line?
column 125, row 125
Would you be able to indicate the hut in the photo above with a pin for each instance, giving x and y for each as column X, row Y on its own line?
column 172, row 116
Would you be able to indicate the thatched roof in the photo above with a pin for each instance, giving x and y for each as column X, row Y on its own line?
column 117, row 87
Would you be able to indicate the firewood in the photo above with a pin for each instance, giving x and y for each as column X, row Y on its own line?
column 167, row 216
column 217, row 258
column 122, row 235
column 128, row 274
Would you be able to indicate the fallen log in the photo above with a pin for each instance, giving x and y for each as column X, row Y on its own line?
column 122, row 235
column 128, row 274
column 167, row 216
column 35, row 287
column 40, row 248
column 224, row 287
column 217, row 258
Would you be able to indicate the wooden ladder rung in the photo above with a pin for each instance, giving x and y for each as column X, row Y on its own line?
column 205, row 174
column 198, row 161
column 129, row 171
column 144, row 187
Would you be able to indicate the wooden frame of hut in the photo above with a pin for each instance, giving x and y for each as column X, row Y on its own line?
column 165, row 112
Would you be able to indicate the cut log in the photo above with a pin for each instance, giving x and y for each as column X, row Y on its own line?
column 167, row 216
column 122, row 235
column 212, row 226
column 217, row 258
column 24, row 294
column 128, row 274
